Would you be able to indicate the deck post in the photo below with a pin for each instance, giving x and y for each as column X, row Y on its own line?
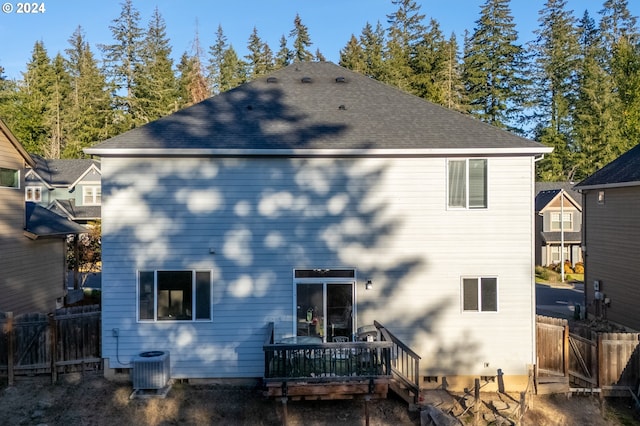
column 366, row 409
column 11, row 349
column 284, row 410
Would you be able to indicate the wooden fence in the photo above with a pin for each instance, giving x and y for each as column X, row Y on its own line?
column 586, row 360
column 66, row 341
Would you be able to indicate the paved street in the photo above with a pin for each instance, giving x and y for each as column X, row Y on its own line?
column 559, row 300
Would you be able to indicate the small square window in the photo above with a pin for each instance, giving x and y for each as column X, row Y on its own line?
column 480, row 294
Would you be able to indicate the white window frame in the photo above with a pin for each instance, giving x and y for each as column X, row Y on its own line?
column 554, row 219
column 555, row 253
column 35, row 190
column 94, row 192
column 154, row 293
column 465, row 204
column 479, row 279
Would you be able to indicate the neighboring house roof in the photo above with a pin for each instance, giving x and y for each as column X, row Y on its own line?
column 17, row 145
column 69, row 209
column 316, row 108
column 546, row 197
column 44, row 223
column 556, row 237
column 63, row 172
column 623, row 171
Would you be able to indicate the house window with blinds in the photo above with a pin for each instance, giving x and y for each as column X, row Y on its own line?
column 467, row 183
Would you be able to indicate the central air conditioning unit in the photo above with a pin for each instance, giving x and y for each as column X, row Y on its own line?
column 151, row 370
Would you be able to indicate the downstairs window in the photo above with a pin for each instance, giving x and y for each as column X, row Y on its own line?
column 174, row 295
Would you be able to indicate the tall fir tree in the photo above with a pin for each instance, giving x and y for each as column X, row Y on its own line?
column 404, row 32
column 284, row 54
column 556, row 55
column 301, row 41
column 596, row 129
column 493, row 68
column 216, row 56
column 90, row 117
column 57, row 119
column 372, row 41
column 232, row 70
column 121, row 60
column 34, row 108
column 155, row 87
column 260, row 57
column 352, row 56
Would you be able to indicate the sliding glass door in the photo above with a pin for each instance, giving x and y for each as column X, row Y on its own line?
column 324, row 307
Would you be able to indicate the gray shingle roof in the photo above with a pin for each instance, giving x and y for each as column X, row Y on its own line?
column 72, row 211
column 546, row 191
column 62, row 172
column 44, row 223
column 313, row 106
column 623, row 170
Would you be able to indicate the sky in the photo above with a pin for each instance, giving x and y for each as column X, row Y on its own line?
column 330, row 22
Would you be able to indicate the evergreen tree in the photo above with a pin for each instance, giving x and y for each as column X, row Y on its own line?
column 595, row 127
column 216, row 54
column 556, row 56
column 155, row 89
column 617, row 23
column 57, row 121
column 301, row 41
column 122, row 58
column 89, row 106
column 373, row 43
column 260, row 57
column 493, row 70
column 34, row 108
column 430, row 65
column 404, row 33
column 319, row 56
column 626, row 73
column 232, row 70
column 352, row 56
column 284, row 55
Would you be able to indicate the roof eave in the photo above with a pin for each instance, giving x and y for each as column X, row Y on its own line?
column 580, row 187
column 320, row 152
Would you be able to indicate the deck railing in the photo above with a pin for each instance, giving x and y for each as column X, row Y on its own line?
column 325, row 362
column 405, row 363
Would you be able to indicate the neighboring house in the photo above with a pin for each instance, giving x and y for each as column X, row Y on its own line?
column 69, row 187
column 278, row 200
column 32, row 239
column 556, row 239
column 611, row 237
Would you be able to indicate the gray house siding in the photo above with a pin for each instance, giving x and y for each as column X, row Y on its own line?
column 264, row 217
column 612, row 235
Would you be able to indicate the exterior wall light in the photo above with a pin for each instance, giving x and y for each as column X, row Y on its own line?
column 368, row 285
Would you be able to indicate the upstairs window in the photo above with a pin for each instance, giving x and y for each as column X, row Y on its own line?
column 480, row 294
column 9, row 178
column 556, row 225
column 33, row 193
column 91, row 195
column 467, row 183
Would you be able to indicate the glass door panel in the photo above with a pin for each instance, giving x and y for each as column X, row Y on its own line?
column 310, row 310
column 339, row 311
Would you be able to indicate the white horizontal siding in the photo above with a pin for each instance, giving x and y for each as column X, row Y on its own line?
column 264, row 217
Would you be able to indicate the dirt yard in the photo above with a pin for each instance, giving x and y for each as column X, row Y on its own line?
column 92, row 400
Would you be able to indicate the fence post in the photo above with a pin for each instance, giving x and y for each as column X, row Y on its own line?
column 565, row 350
column 53, row 347
column 11, row 348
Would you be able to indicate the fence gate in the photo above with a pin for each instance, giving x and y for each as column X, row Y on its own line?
column 36, row 343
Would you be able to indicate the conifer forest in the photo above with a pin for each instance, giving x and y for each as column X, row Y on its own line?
column 574, row 87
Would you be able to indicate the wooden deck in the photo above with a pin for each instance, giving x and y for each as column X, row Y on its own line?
column 338, row 370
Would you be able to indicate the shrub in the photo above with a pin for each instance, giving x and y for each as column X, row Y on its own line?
column 579, row 268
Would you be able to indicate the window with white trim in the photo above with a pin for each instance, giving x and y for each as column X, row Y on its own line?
column 9, row 178
column 174, row 295
column 467, row 183
column 91, row 195
column 33, row 193
column 480, row 294
column 567, row 218
column 555, row 253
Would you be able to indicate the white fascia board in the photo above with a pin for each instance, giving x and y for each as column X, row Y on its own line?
column 120, row 152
